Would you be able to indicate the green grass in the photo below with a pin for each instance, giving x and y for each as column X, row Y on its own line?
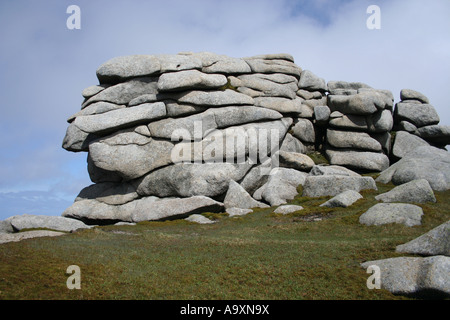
column 259, row 256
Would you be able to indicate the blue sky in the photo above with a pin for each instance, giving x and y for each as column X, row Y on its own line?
column 45, row 66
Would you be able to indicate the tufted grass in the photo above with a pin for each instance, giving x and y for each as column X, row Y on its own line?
column 262, row 255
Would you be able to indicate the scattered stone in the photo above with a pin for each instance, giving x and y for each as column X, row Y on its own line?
column 416, row 277
column 198, row 218
column 386, row 213
column 344, row 199
column 282, row 185
column 286, row 209
column 237, row 197
column 417, row 191
column 233, row 212
column 433, row 243
column 15, row 237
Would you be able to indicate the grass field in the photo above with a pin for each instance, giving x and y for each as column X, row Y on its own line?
column 311, row 254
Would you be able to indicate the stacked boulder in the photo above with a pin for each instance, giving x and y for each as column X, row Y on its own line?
column 358, row 130
column 417, row 124
column 168, row 135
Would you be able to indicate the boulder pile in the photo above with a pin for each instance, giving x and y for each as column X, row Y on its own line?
column 168, row 136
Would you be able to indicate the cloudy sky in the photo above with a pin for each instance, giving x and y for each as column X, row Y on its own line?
column 44, row 66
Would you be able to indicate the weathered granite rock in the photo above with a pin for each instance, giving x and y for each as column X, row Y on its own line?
column 233, row 212
column 189, row 80
column 109, row 192
column 286, row 209
column 296, row 161
column 352, row 140
column 28, row 221
column 14, row 237
column 344, row 199
column 332, row 185
column 436, row 134
column 359, row 160
column 414, row 276
column 282, row 185
column 237, row 197
column 433, row 243
column 198, row 218
column 385, row 213
column 322, row 170
column 304, row 130
column 405, row 142
column 409, row 94
column 429, row 163
column 311, row 82
column 418, row 114
column 417, row 191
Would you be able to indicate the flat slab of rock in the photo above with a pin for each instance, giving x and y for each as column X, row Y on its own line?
column 29, row 221
column 418, row 191
column 429, row 163
column 333, row 170
column 359, row 160
column 418, row 114
column 433, row 243
column 233, row 212
column 190, row 79
column 415, row 276
column 352, row 140
column 437, row 134
column 198, row 218
column 332, row 185
column 386, row 213
column 15, row 237
column 296, row 161
column 286, row 209
column 344, row 199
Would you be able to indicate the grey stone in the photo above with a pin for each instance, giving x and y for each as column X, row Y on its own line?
column 405, row 142
column 380, row 121
column 237, row 197
column 130, row 154
column 273, row 66
column 334, row 86
column 121, row 68
column 415, row 276
column 256, row 177
column 311, row 82
column 144, row 98
column 296, row 161
column 408, row 94
column 198, row 218
column 434, row 242
column 93, row 90
column 125, row 92
column 429, row 163
column 190, row 79
column 109, row 193
column 215, row 63
column 292, row 144
column 286, row 209
column 231, row 116
column 436, row 134
column 304, row 130
column 321, row 170
column 321, row 113
column 96, row 108
column 5, row 226
column 350, row 122
column 121, row 118
column 417, row 191
column 406, row 126
column 273, row 85
column 177, row 62
column 214, row 98
column 282, row 185
column 233, row 212
column 386, row 213
column 28, row 221
column 308, row 95
column 352, row 140
column 284, row 105
column 274, row 56
column 359, row 160
column 418, row 114
column 191, row 179
column 175, row 109
column 77, row 140
column 15, row 237
column 332, row 185
column 344, row 199
column 365, row 103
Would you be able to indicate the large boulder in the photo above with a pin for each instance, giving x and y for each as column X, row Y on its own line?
column 332, row 185
column 433, row 243
column 417, row 191
column 282, row 185
column 418, row 114
column 359, row 160
column 405, row 142
column 237, row 197
column 426, row 162
column 414, row 276
column 386, row 213
column 344, row 199
column 28, row 221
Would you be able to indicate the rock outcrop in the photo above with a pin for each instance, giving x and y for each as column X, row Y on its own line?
column 169, row 136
